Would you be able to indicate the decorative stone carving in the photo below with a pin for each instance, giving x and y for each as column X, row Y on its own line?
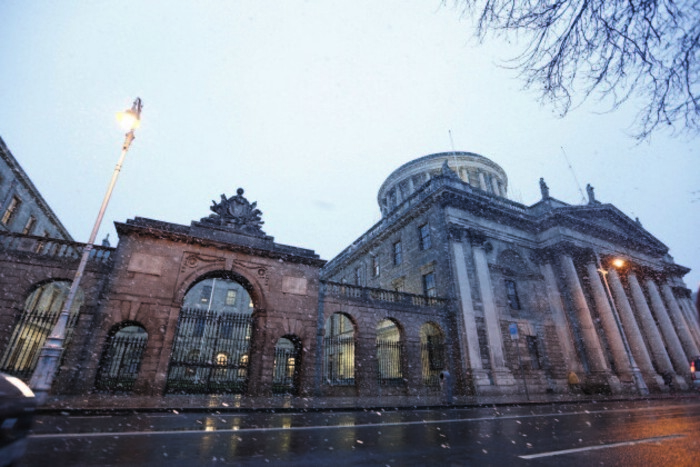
column 192, row 260
column 446, row 171
column 236, row 213
column 261, row 272
column 544, row 189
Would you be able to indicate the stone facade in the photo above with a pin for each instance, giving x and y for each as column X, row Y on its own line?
column 22, row 208
column 455, row 283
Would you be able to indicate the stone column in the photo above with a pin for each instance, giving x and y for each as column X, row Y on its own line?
column 651, row 332
column 612, row 332
column 494, row 184
column 591, row 343
column 469, row 340
column 634, row 335
column 482, row 180
column 501, row 375
column 673, row 344
column 559, row 318
column 690, row 317
column 679, row 322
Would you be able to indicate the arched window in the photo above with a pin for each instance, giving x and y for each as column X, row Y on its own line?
column 121, row 358
column 286, row 366
column 432, row 345
column 339, row 351
column 41, row 311
column 389, row 353
column 211, row 346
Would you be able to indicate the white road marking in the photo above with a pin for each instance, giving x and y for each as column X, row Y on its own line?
column 601, row 446
column 340, row 427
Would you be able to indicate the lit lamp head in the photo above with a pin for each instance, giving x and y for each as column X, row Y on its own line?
column 130, row 119
column 618, row 263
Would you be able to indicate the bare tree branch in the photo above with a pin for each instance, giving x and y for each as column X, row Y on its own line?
column 616, row 49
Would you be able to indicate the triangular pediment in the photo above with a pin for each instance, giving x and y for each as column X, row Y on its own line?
column 607, row 222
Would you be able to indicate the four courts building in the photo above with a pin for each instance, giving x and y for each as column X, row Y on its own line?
column 456, row 289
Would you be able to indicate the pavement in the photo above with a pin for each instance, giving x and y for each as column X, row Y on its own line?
column 101, row 403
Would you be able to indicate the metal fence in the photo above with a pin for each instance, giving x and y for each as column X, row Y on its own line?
column 28, row 338
column 120, row 363
column 285, row 370
column 389, row 363
column 210, row 353
column 339, row 360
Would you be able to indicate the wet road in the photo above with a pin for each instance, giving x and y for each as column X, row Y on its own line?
column 646, row 433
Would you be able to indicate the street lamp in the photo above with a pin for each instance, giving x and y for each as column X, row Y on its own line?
column 636, row 372
column 49, row 358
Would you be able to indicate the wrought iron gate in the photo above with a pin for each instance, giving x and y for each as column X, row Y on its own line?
column 210, row 353
column 121, row 361
column 286, row 367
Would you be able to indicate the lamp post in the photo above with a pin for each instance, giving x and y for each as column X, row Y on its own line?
column 636, row 372
column 49, row 358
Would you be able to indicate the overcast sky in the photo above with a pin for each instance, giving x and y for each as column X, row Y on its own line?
column 309, row 106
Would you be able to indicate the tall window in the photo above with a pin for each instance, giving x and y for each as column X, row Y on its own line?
column 31, row 222
column 534, row 351
column 429, row 289
column 389, row 353
column 12, row 208
column 397, row 253
column 358, row 276
column 41, row 311
column 424, row 235
column 231, row 297
column 512, row 295
column 339, row 351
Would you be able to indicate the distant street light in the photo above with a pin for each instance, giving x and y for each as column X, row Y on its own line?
column 49, row 358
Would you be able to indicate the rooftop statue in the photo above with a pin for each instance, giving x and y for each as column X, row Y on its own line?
column 236, row 213
column 544, row 189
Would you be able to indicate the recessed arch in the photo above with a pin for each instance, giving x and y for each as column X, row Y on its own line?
column 121, row 357
column 40, row 312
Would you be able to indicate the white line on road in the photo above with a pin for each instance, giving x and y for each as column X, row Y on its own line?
column 499, row 417
column 601, row 446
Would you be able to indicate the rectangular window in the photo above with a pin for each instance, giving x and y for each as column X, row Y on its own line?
column 397, row 253
column 11, row 210
column 231, row 297
column 429, row 289
column 27, row 230
column 375, row 266
column 424, row 234
column 512, row 295
column 206, row 294
column 358, row 276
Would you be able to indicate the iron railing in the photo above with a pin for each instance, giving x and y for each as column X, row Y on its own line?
column 432, row 362
column 339, row 360
column 389, row 363
column 210, row 353
column 120, row 363
column 28, row 338
column 285, row 369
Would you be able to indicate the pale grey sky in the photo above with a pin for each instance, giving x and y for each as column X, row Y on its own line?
column 307, row 105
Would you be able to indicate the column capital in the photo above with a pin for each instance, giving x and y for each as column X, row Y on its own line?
column 456, row 232
column 478, row 239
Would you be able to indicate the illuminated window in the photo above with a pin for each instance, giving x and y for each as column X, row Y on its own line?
column 231, row 297
column 31, row 222
column 15, row 203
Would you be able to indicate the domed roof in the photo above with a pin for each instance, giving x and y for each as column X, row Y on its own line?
column 472, row 168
